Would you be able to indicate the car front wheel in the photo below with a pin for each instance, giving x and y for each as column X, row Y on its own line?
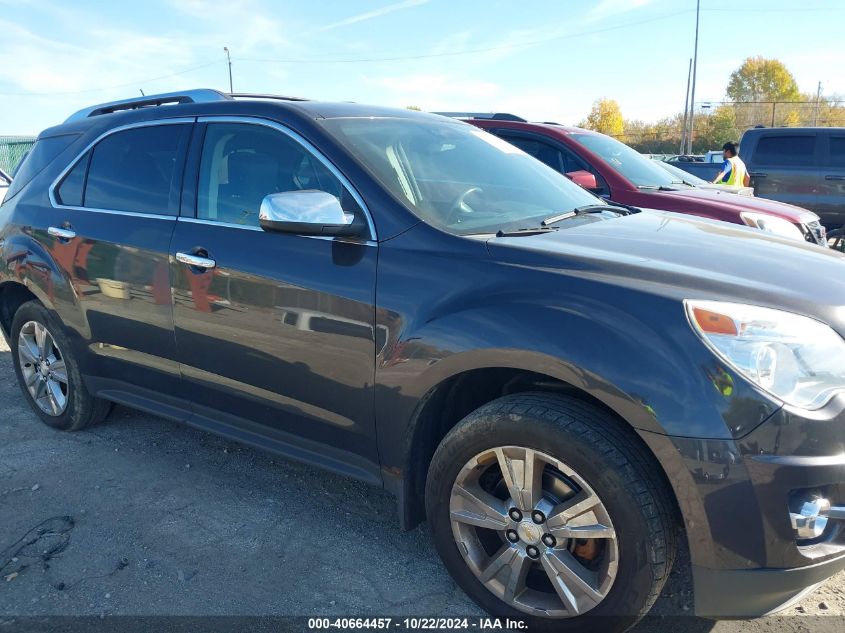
column 546, row 508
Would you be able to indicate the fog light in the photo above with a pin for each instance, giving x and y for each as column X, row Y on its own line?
column 812, row 520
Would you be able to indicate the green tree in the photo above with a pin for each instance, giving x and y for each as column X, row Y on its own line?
column 723, row 127
column 605, row 117
column 413, row 107
column 761, row 79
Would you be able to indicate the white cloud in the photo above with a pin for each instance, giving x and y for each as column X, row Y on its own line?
column 433, row 91
column 607, row 8
column 369, row 15
column 458, row 93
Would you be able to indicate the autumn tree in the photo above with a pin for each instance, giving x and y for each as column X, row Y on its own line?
column 605, row 117
column 761, row 79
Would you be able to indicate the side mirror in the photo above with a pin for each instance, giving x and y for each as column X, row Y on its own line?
column 584, row 179
column 306, row 212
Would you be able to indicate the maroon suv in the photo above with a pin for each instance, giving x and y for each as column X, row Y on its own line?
column 613, row 170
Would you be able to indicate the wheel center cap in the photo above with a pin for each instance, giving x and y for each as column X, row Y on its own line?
column 44, row 369
column 528, row 532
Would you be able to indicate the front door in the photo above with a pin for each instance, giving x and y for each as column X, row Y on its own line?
column 274, row 331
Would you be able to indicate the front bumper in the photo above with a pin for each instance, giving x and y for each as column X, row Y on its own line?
column 739, row 499
column 735, row 593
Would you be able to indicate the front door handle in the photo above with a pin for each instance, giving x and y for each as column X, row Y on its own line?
column 62, row 234
column 195, row 261
column 834, row 177
column 758, row 174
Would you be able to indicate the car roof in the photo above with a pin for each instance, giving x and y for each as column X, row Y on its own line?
column 211, row 102
column 556, row 128
column 790, row 130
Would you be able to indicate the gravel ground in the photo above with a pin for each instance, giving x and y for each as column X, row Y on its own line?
column 151, row 518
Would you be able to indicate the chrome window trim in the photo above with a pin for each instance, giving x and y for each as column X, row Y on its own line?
column 129, row 126
column 249, row 227
column 298, row 138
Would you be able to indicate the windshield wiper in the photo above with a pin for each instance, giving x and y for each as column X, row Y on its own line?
column 525, row 232
column 662, row 187
column 589, row 208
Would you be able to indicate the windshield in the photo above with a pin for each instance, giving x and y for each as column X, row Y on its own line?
column 458, row 177
column 641, row 171
column 679, row 174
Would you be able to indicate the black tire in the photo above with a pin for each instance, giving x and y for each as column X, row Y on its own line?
column 82, row 409
column 607, row 455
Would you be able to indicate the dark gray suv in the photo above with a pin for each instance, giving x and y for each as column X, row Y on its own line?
column 801, row 166
column 565, row 389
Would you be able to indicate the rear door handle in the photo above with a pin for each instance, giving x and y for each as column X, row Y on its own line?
column 62, row 234
column 758, row 174
column 834, row 177
column 195, row 261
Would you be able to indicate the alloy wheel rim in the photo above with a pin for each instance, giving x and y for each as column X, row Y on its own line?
column 43, row 368
column 534, row 532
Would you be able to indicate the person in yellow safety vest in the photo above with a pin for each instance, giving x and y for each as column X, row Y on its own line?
column 733, row 171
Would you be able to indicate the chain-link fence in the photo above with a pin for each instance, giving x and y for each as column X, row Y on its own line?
column 12, row 151
column 719, row 121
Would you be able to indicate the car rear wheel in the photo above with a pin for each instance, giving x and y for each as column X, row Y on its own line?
column 47, row 372
column 545, row 508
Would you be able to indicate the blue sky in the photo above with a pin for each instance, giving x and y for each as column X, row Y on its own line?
column 545, row 60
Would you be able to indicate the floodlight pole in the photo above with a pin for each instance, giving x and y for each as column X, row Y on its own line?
column 686, row 109
column 694, row 69
column 229, row 58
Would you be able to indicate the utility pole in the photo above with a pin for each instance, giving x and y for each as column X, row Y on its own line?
column 694, row 70
column 686, row 108
column 818, row 99
column 229, row 58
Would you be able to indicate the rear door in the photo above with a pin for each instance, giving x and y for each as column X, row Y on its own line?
column 555, row 155
column 274, row 331
column 786, row 168
column 109, row 229
column 831, row 204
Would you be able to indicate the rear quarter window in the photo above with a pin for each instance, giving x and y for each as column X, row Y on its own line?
column 837, row 151
column 44, row 152
column 787, row 150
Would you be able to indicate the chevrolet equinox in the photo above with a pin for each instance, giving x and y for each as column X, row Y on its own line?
column 566, row 389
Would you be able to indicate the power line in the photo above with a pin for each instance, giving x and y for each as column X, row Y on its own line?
column 361, row 59
column 471, row 51
column 374, row 59
column 89, row 90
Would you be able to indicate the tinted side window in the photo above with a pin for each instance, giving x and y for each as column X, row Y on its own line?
column 69, row 192
column 837, row 151
column 39, row 156
column 792, row 150
column 136, row 170
column 243, row 163
column 543, row 152
column 561, row 160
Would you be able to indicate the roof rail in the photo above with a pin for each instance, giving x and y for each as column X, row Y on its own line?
column 495, row 116
column 202, row 95
column 256, row 95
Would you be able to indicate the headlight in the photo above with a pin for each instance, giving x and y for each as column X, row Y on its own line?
column 772, row 224
column 797, row 359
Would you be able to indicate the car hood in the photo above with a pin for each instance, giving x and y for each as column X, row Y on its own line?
column 688, row 257
column 724, row 199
